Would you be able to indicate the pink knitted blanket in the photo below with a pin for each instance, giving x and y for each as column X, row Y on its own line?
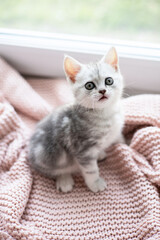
column 30, row 206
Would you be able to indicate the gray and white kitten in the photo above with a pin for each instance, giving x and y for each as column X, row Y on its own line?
column 73, row 138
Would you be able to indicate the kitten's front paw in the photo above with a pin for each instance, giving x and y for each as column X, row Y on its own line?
column 121, row 139
column 98, row 186
column 65, row 183
column 102, row 156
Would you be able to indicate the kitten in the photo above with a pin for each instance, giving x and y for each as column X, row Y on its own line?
column 74, row 137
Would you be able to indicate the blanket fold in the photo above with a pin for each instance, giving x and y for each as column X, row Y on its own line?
column 20, row 94
column 30, row 206
column 143, row 123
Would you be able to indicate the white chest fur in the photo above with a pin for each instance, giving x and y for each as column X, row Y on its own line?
column 113, row 130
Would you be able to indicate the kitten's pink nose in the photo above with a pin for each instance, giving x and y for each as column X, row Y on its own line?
column 102, row 91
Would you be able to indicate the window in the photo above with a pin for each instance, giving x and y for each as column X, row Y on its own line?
column 84, row 29
column 136, row 20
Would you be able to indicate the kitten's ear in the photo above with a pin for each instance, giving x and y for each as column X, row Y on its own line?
column 111, row 58
column 71, row 67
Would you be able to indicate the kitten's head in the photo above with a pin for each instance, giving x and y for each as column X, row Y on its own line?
column 95, row 85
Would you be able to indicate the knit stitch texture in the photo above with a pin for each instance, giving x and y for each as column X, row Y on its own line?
column 30, row 206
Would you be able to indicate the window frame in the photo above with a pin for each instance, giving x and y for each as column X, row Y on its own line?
column 41, row 54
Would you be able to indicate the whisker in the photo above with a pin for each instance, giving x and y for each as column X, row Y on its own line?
column 130, row 85
column 126, row 94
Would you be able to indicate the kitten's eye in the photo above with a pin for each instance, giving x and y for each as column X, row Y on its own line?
column 109, row 81
column 89, row 85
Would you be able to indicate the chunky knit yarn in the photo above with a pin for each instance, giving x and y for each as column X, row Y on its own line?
column 31, row 207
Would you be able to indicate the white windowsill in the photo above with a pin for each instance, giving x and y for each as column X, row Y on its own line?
column 42, row 54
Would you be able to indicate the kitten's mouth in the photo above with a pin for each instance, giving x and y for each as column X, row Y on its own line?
column 103, row 98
